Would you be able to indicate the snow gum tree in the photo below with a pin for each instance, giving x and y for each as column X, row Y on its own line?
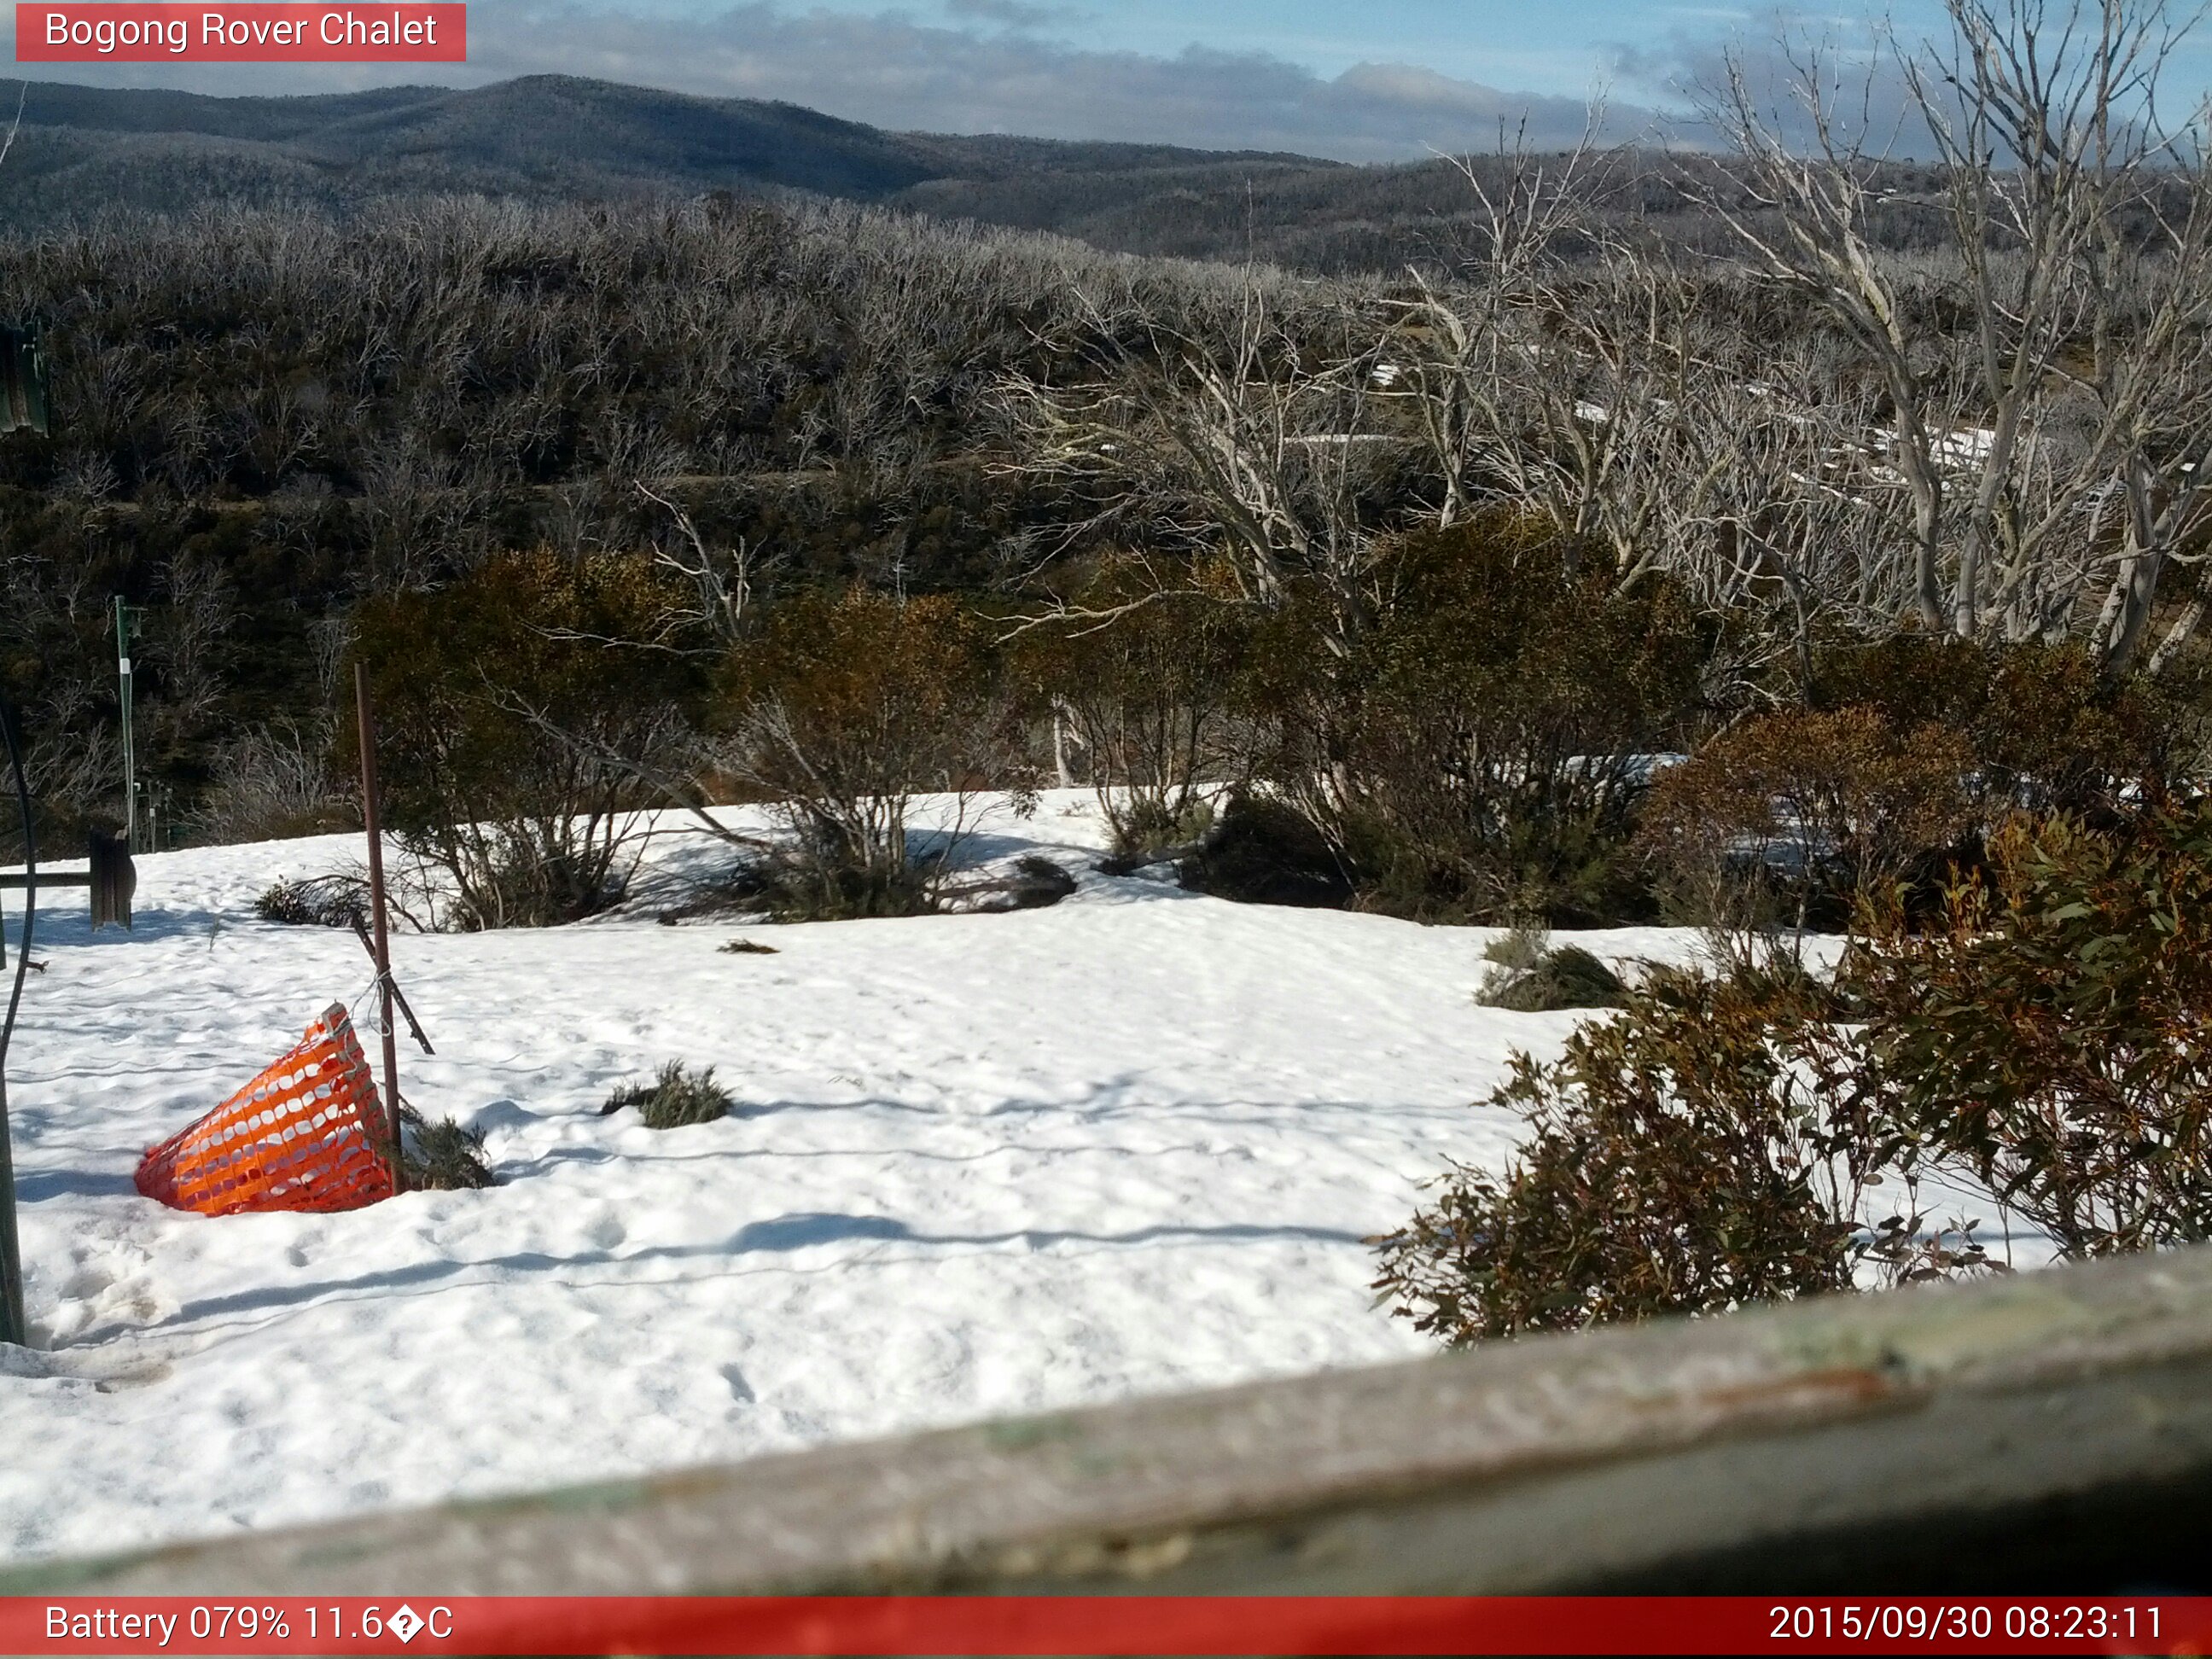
column 2049, row 417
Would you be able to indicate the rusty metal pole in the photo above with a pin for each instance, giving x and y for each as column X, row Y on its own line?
column 379, row 935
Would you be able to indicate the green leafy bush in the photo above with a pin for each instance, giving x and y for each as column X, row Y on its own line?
column 1679, row 1159
column 1518, row 949
column 2049, row 1038
column 442, row 1157
column 676, row 1097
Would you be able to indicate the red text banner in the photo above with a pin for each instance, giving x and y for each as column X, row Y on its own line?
column 1080, row 1624
column 104, row 31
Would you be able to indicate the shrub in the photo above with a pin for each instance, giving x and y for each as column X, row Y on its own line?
column 337, row 901
column 1262, row 851
column 270, row 784
column 442, row 1157
column 1521, row 948
column 745, row 947
column 2048, row 1037
column 1480, row 750
column 674, row 1098
column 1142, row 682
column 1715, row 1142
column 1789, row 816
column 1565, row 976
column 1679, row 1160
column 846, row 707
column 517, row 711
column 2044, row 728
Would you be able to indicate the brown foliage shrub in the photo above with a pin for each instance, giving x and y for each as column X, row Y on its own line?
column 845, row 708
column 516, row 709
column 2044, row 727
column 1798, row 812
column 1715, row 1143
column 1481, row 752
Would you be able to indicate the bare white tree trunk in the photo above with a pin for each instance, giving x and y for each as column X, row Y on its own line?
column 2009, row 433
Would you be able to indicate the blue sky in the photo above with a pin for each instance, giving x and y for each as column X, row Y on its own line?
column 1357, row 80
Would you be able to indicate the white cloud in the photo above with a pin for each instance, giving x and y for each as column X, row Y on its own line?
column 1014, row 14
column 892, row 71
column 1851, row 61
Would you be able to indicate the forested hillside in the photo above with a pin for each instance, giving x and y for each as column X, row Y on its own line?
column 84, row 150
column 1637, row 448
column 1762, row 545
column 261, row 418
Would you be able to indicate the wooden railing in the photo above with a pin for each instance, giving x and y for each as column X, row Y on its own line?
column 2049, row 1432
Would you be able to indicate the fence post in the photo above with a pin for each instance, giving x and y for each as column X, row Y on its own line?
column 379, row 935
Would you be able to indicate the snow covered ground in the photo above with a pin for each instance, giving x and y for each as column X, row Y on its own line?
column 982, row 1165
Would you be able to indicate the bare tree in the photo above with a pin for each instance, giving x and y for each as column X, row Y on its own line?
column 1556, row 370
column 720, row 579
column 1253, row 439
column 2030, row 384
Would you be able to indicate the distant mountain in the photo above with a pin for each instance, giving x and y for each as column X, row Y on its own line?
column 546, row 134
column 85, row 151
column 105, row 109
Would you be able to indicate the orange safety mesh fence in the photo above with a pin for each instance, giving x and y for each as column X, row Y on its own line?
column 303, row 1135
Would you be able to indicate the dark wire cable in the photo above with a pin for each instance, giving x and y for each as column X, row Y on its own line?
column 30, row 892
column 13, row 1326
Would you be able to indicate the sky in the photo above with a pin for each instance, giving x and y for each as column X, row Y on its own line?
column 1356, row 80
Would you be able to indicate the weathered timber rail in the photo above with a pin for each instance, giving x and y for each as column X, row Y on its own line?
column 2051, row 1431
